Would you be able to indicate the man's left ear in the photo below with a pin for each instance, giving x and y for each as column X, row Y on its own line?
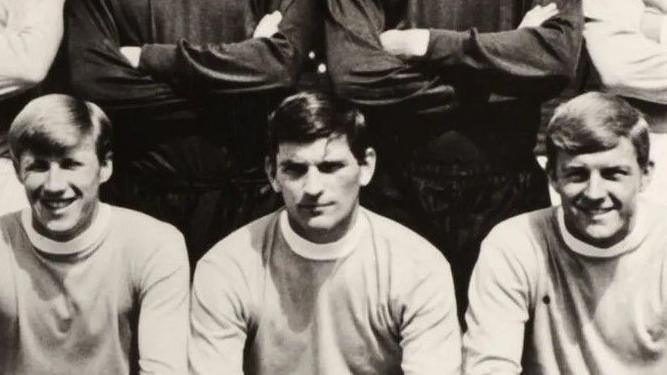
column 106, row 168
column 367, row 167
column 647, row 175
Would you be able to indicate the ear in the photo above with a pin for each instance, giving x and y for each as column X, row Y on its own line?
column 17, row 169
column 647, row 175
column 367, row 167
column 270, row 170
column 106, row 168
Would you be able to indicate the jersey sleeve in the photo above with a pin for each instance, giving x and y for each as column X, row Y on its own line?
column 163, row 316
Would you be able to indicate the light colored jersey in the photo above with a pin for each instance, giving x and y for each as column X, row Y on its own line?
column 582, row 310
column 379, row 302
column 96, row 304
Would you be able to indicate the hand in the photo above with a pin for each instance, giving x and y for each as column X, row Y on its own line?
column 132, row 54
column 405, row 43
column 268, row 25
column 536, row 16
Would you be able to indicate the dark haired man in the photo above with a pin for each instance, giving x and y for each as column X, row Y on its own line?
column 85, row 287
column 578, row 288
column 323, row 286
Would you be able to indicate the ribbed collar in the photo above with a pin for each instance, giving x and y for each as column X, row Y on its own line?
column 327, row 251
column 629, row 243
column 82, row 242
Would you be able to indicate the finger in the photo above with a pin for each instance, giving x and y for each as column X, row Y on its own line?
column 550, row 6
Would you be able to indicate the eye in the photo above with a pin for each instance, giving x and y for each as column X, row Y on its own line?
column 614, row 174
column 36, row 165
column 330, row 166
column 294, row 169
column 70, row 163
column 575, row 175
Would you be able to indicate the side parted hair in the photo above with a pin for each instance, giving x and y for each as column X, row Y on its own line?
column 53, row 123
column 595, row 122
column 308, row 116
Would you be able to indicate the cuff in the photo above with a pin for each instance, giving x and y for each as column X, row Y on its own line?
column 446, row 46
column 159, row 60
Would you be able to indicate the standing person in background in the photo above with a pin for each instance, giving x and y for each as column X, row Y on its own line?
column 30, row 33
column 627, row 42
column 189, row 85
column 323, row 286
column 85, row 287
column 578, row 288
column 453, row 91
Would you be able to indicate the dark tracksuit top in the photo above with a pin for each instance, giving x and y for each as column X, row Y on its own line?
column 189, row 123
column 455, row 128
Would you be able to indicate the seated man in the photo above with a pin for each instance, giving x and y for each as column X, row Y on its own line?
column 583, row 284
column 323, row 286
column 85, row 288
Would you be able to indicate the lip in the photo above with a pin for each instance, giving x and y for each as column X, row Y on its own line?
column 57, row 204
column 596, row 211
column 314, row 206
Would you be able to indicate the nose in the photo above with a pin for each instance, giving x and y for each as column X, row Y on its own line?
column 313, row 184
column 55, row 181
column 595, row 190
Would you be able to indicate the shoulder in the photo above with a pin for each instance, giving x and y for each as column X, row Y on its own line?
column 244, row 247
column 402, row 242
column 143, row 236
column 139, row 226
column 524, row 227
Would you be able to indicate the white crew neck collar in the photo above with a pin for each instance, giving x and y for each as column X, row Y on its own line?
column 327, row 251
column 82, row 242
column 629, row 243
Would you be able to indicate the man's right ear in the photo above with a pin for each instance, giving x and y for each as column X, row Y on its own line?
column 270, row 169
column 17, row 169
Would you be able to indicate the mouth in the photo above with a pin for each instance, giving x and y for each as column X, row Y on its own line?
column 596, row 211
column 314, row 206
column 57, row 204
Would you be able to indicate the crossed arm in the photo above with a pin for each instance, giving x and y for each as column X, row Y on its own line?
column 365, row 67
column 640, row 71
column 168, row 75
column 28, row 49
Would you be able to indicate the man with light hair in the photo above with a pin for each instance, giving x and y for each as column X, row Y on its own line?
column 85, row 287
column 323, row 286
column 578, row 288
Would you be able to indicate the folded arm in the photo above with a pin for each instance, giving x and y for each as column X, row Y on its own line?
column 253, row 65
column 363, row 72
column 536, row 60
column 100, row 73
column 27, row 50
column 641, row 70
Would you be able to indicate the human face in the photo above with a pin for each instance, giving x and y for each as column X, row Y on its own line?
column 320, row 183
column 599, row 192
column 63, row 188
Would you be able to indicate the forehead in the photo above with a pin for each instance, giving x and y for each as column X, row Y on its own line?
column 322, row 149
column 62, row 146
column 624, row 154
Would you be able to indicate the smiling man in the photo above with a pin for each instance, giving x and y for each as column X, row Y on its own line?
column 584, row 284
column 85, row 288
column 323, row 286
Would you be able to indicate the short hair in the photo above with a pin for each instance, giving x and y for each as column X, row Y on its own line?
column 52, row 123
column 308, row 116
column 594, row 122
